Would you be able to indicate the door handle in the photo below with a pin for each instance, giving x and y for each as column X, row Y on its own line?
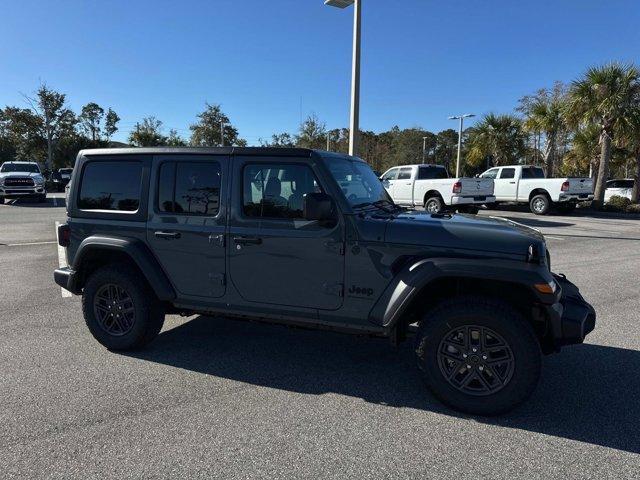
column 512, row 183
column 168, row 235
column 408, row 183
column 247, row 240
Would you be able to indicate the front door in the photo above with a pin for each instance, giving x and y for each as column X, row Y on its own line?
column 403, row 187
column 505, row 185
column 388, row 181
column 187, row 222
column 275, row 255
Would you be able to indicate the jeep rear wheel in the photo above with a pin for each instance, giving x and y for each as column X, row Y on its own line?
column 478, row 355
column 120, row 309
column 433, row 205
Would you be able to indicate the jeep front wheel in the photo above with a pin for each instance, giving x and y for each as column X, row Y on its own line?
column 120, row 309
column 478, row 355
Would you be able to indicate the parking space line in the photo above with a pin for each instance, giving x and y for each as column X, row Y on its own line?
column 62, row 262
column 29, row 243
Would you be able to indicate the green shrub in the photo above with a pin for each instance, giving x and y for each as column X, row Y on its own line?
column 633, row 208
column 617, row 204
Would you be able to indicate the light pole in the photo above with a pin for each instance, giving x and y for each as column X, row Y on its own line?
column 354, row 123
column 461, row 118
column 222, row 124
column 424, row 148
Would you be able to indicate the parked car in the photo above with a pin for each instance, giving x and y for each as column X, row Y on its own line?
column 20, row 180
column 527, row 184
column 619, row 187
column 312, row 239
column 60, row 178
column 430, row 186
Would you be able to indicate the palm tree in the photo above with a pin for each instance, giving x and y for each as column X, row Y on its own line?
column 585, row 152
column 546, row 115
column 630, row 141
column 606, row 96
column 497, row 137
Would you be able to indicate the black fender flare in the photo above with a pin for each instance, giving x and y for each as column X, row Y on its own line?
column 404, row 287
column 138, row 252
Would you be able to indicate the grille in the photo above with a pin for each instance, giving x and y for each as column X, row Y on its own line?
column 18, row 182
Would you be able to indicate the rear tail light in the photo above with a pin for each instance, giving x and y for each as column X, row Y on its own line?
column 457, row 187
column 565, row 187
column 64, row 235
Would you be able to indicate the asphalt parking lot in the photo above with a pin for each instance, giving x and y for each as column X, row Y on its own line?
column 215, row 397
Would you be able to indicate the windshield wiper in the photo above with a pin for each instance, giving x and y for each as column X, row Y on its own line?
column 380, row 204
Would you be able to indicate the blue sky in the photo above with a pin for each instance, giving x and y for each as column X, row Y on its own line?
column 266, row 61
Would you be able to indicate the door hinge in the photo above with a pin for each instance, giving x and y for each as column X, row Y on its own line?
column 217, row 239
column 336, row 289
column 218, row 278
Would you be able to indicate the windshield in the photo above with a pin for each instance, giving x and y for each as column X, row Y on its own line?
column 20, row 167
column 66, row 171
column 358, row 182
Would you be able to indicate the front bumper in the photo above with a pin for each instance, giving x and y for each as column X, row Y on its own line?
column 572, row 318
column 18, row 192
column 471, row 200
column 575, row 197
column 66, row 278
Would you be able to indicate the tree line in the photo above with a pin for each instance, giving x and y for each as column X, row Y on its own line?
column 589, row 127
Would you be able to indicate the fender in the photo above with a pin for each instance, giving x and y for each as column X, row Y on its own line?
column 411, row 279
column 138, row 252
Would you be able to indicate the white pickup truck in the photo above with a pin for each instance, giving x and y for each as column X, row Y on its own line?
column 526, row 184
column 431, row 187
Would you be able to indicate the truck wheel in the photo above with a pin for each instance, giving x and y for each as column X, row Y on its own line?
column 120, row 309
column 433, row 205
column 540, row 204
column 478, row 355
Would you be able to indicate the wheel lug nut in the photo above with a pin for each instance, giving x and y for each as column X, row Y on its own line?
column 481, row 368
column 468, row 367
column 474, row 350
column 464, row 355
column 484, row 357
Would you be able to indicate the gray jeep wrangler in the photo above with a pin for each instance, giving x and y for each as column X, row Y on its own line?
column 311, row 239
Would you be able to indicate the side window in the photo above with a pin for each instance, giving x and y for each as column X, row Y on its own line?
column 111, row 186
column 276, row 191
column 431, row 173
column 508, row 173
column 532, row 172
column 391, row 174
column 405, row 174
column 189, row 188
column 493, row 173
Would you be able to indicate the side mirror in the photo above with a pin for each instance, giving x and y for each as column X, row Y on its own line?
column 317, row 206
column 477, row 175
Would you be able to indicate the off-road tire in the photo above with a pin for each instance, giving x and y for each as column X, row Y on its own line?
column 540, row 204
column 148, row 311
column 479, row 312
column 433, row 205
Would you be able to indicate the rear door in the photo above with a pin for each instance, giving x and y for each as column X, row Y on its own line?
column 506, row 185
column 186, row 226
column 275, row 255
column 403, row 188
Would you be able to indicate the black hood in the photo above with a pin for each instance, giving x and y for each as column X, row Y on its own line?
column 459, row 231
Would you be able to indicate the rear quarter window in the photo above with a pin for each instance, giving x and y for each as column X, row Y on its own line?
column 431, row 173
column 111, row 185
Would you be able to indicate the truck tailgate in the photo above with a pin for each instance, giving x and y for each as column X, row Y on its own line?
column 580, row 185
column 476, row 187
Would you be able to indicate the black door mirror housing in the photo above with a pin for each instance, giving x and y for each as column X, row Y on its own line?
column 318, row 206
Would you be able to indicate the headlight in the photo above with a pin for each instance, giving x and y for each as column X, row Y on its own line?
column 39, row 180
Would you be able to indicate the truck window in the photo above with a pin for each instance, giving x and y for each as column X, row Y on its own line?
column 532, row 172
column 277, row 191
column 405, row 174
column 431, row 173
column 493, row 173
column 508, row 173
column 111, row 186
column 189, row 188
column 391, row 174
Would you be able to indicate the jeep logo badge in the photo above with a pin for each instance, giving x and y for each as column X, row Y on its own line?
column 360, row 291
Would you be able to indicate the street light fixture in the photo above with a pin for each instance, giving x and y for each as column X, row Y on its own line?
column 461, row 118
column 424, row 148
column 354, row 123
